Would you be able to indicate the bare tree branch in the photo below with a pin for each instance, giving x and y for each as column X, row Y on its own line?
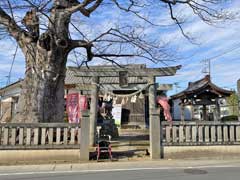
column 201, row 8
column 78, row 43
column 82, row 7
column 12, row 27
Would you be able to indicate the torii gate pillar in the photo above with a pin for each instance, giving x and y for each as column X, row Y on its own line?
column 93, row 111
column 154, row 121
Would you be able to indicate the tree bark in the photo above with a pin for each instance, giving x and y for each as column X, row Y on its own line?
column 42, row 96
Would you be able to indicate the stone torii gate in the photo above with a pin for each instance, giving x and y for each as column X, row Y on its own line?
column 123, row 73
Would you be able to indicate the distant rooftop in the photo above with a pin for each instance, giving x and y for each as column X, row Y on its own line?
column 201, row 86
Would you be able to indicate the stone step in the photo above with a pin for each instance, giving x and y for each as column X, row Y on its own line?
column 131, row 126
column 133, row 132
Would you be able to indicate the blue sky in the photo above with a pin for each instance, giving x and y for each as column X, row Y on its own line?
column 220, row 44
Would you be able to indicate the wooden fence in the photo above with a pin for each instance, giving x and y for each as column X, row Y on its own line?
column 200, row 133
column 39, row 136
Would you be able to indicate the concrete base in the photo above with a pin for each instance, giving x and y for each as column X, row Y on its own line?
column 171, row 152
column 195, row 152
column 38, row 156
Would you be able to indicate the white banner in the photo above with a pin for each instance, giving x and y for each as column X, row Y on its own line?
column 117, row 113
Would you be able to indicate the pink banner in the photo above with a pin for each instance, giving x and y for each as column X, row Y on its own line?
column 76, row 103
column 163, row 101
column 73, row 109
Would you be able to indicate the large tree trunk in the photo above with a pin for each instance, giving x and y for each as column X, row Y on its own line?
column 42, row 97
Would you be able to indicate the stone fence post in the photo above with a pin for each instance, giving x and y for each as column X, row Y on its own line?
column 84, row 136
column 155, row 135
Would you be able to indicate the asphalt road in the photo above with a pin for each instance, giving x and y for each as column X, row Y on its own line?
column 157, row 173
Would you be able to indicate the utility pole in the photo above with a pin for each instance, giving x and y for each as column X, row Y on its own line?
column 207, row 66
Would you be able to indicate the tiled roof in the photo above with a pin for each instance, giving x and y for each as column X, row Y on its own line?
column 200, row 85
column 13, row 85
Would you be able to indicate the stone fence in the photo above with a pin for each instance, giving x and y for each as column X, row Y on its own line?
column 39, row 136
column 200, row 133
column 68, row 136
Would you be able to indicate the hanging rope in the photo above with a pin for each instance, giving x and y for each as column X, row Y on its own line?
column 105, row 91
column 131, row 94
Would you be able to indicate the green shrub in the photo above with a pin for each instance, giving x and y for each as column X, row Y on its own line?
column 229, row 118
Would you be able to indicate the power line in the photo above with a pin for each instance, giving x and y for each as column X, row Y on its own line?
column 207, row 62
column 10, row 71
column 236, row 46
column 225, row 52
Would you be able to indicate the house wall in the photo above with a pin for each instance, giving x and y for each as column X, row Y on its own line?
column 8, row 102
column 10, row 92
column 6, row 110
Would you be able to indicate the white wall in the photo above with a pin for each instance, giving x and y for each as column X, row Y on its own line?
column 11, row 92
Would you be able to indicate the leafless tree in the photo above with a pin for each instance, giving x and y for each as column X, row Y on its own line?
column 44, row 35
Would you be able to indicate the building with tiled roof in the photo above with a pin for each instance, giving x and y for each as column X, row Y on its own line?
column 201, row 100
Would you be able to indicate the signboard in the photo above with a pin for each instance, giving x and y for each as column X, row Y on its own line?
column 123, row 79
column 75, row 105
column 117, row 113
